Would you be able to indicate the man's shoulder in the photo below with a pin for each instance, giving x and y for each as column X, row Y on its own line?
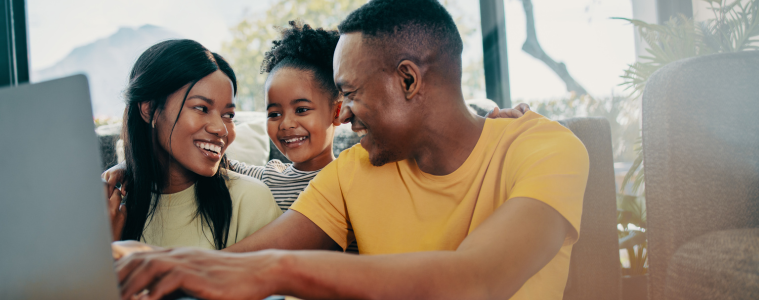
column 534, row 127
column 530, row 123
column 534, row 134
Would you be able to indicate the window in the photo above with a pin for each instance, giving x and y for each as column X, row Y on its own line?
column 104, row 38
column 594, row 48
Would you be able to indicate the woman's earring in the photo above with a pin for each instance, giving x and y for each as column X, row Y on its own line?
column 152, row 124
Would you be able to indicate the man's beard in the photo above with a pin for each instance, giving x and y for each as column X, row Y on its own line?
column 381, row 158
column 383, row 155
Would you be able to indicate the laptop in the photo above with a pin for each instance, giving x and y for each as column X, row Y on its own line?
column 54, row 228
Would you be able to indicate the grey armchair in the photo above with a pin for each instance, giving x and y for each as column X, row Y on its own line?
column 594, row 270
column 701, row 155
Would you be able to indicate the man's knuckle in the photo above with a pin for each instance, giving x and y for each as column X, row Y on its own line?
column 150, row 263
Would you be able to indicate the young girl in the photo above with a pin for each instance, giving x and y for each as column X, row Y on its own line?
column 177, row 126
column 302, row 107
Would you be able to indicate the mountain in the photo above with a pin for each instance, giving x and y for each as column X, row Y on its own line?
column 107, row 63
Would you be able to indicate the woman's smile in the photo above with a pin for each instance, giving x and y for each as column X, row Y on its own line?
column 211, row 150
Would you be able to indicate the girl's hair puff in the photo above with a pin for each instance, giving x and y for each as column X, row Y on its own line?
column 304, row 48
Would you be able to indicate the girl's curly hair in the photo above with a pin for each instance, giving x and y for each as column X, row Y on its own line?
column 307, row 49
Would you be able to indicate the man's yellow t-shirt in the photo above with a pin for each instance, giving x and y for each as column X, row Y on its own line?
column 397, row 208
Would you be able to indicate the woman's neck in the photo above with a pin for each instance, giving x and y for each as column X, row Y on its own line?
column 316, row 163
column 178, row 178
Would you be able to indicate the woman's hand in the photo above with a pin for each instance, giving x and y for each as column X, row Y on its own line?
column 120, row 249
column 113, row 176
column 516, row 112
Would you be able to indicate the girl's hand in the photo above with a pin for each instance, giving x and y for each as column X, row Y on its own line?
column 116, row 213
column 516, row 112
column 114, row 176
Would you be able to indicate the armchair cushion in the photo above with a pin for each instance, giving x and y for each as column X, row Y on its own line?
column 717, row 265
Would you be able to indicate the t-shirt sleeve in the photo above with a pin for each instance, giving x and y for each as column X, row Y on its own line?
column 239, row 167
column 550, row 164
column 256, row 206
column 322, row 202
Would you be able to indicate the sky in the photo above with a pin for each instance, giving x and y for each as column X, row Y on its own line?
column 579, row 33
column 57, row 27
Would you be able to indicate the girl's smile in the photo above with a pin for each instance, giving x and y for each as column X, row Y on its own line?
column 294, row 141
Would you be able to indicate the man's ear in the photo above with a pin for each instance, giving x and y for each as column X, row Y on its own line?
column 410, row 78
column 145, row 111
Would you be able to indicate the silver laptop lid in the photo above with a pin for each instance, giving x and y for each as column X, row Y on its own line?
column 54, row 229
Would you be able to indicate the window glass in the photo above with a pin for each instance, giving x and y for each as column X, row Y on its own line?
column 594, row 48
column 582, row 34
column 104, row 38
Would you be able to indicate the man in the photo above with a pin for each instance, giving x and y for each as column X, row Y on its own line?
column 453, row 206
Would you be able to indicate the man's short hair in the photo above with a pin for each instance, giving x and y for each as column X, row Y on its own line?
column 407, row 26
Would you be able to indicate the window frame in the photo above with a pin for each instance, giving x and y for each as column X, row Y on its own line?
column 495, row 56
column 14, row 51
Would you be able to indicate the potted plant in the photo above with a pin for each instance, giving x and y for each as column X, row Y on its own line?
column 631, row 227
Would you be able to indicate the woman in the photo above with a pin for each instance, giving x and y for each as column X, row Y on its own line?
column 177, row 126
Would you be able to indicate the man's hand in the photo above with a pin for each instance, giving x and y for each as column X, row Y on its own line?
column 124, row 248
column 222, row 280
column 478, row 269
column 516, row 112
column 198, row 273
column 114, row 176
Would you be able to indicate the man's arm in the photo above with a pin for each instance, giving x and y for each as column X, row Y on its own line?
column 290, row 231
column 494, row 261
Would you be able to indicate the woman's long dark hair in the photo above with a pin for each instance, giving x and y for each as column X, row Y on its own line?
column 160, row 71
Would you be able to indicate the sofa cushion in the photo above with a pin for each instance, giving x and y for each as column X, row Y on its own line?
column 251, row 145
column 717, row 265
